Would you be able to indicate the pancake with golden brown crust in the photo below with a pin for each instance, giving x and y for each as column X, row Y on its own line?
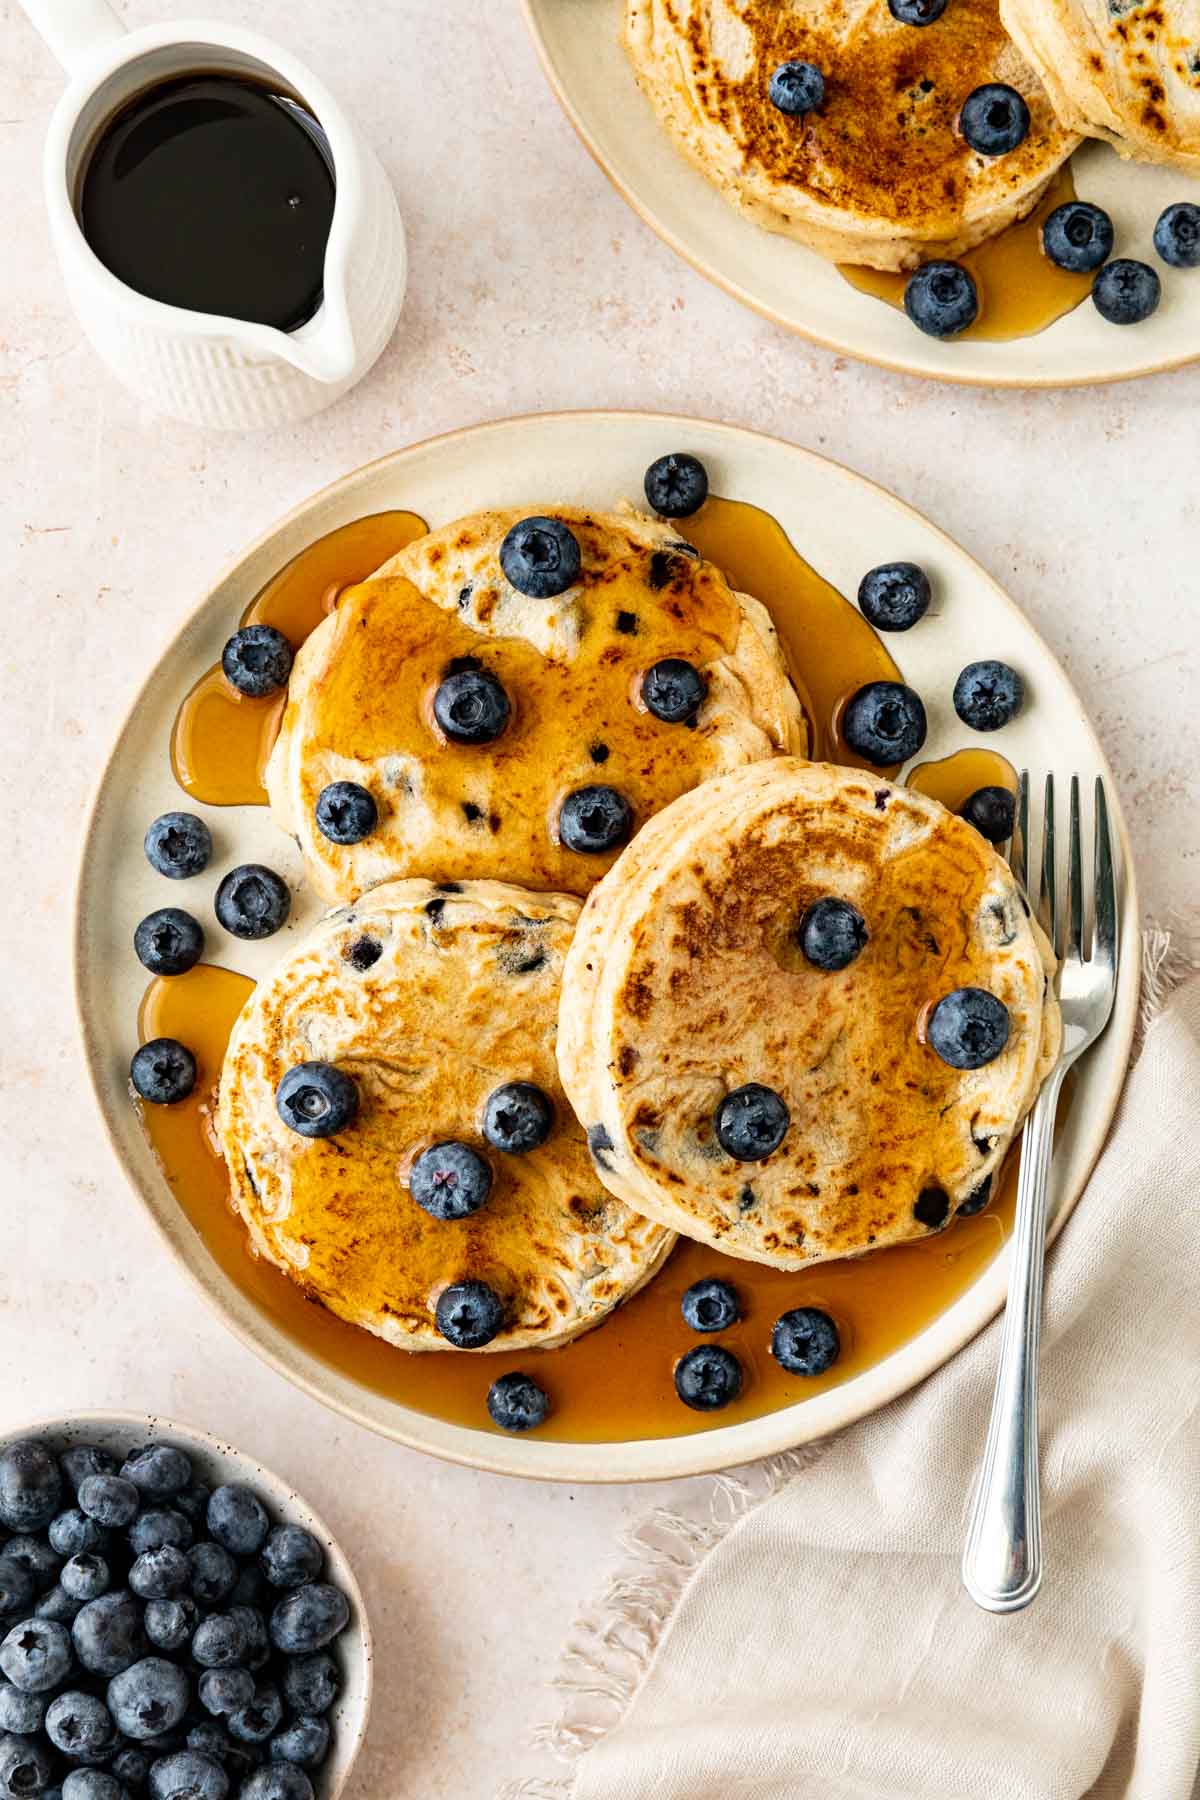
column 879, row 174
column 1127, row 73
column 686, row 982
column 360, row 702
column 429, row 998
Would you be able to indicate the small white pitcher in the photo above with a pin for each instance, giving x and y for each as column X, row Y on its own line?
column 201, row 367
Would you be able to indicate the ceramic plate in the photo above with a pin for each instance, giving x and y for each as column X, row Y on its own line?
column 590, row 73
column 843, row 525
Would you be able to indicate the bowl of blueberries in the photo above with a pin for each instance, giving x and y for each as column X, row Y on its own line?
column 175, row 1622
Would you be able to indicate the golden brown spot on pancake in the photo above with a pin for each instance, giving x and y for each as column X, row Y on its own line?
column 637, row 996
column 627, row 1059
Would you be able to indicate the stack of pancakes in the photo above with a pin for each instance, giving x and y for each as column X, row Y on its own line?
column 653, row 982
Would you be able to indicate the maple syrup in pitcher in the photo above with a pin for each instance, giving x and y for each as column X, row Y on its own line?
column 617, row 1381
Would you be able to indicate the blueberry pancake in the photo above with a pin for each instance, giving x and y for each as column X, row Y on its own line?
column 512, row 696
column 804, row 1015
column 1120, row 71
column 836, row 122
column 397, row 1137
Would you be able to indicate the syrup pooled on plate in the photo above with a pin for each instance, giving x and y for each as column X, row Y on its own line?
column 954, row 778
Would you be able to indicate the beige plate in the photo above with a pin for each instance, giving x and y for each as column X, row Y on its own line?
column 590, row 73
column 843, row 524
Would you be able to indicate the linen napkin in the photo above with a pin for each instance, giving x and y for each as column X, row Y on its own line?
column 819, row 1642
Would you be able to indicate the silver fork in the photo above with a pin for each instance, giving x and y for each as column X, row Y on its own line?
column 1002, row 1561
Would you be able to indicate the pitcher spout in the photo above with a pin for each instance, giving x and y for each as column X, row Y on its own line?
column 324, row 348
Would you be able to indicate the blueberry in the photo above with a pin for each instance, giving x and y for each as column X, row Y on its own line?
column 92, row 1784
column 170, row 1623
column 22, row 1713
column 291, row 1556
column 540, row 557
column 193, row 1501
column 72, row 1531
column 311, row 1684
column 160, row 1574
column 450, row 1181
column 751, row 1122
column 1077, row 236
column 832, row 934
column 30, row 1486
column 85, row 1577
column 210, row 1739
column 213, row 1571
column 149, row 1698
column 1177, row 235
column 471, row 706
column 977, row 1199
column 304, row 1742
column 994, row 119
column 238, row 1519
column 109, row 1499
column 884, row 723
column 225, row 1691
column 131, row 1764
column 36, row 1655
column 251, row 1589
column 710, row 1305
column 364, row 953
column 188, row 1775
column 277, row 1781
column 346, row 813
column 107, row 1634
column 517, row 1117
column 708, row 1377
column 82, row 1460
column 676, row 485
column 177, row 845
column 941, row 299
column 894, row 596
column 80, row 1725
column 992, row 811
column 169, row 941
column 916, row 12
column 158, row 1527
column 25, row 1768
column 17, row 1587
column 219, row 1642
column 594, row 819
column 805, row 1341
column 673, row 690
column 254, row 1629
column 252, row 901
column 163, row 1072
column 58, row 1606
column 987, row 695
column 316, row 1100
column 797, row 88
column 515, row 1402
column 257, row 661
column 932, row 1207
column 468, row 1314
column 255, row 1723
column 159, row 1471
column 968, row 1028
column 36, row 1557
column 1125, row 291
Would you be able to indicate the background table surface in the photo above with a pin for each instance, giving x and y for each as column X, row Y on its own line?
column 533, row 287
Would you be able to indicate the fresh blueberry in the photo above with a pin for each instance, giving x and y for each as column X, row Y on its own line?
column 58, row 1606
column 238, row 1519
column 1126, row 291
column 159, row 1471
column 710, row 1305
column 277, row 1781
column 211, row 1739
column 109, row 1499
column 471, row 706
column 193, row 1501
column 36, row 1655
column 1177, row 235
column 884, row 723
column 149, row 1698
column 85, row 1577
column 317, row 1100
column 987, row 695
column 797, row 88
column 80, row 1725
column 131, row 1764
column 517, row 1117
column 346, row 813
column 708, row 1377
column 540, row 557
column 36, row 1557
column 1078, row 236
column 941, row 299
column 932, row 1207
column 30, row 1486
column 188, row 1775
column 159, row 1526
column 977, row 1199
column 673, row 690
column 107, row 1634
column 257, row 661
column 72, row 1531
column 213, row 1571
column 170, row 1623
column 968, row 1028
column 468, row 1314
column 291, row 1556
column 25, row 1768
column 515, row 1402
column 311, row 1684
column 160, row 1574
column 450, row 1181
column 82, row 1460
column 169, row 941
column 219, row 1642
column 177, row 845
column 594, row 819
column 994, row 119
column 253, row 902
column 17, row 1587
column 916, row 12
column 304, row 1742
column 832, row 934
column 676, row 485
column 992, row 811
column 22, row 1713
column 92, row 1784
column 255, row 1723
column 254, row 1629
column 751, row 1122
column 805, row 1341
column 225, row 1691
column 894, row 596
column 162, row 1072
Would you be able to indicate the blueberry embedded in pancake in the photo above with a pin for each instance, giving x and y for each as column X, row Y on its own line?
column 448, row 717
column 396, row 1132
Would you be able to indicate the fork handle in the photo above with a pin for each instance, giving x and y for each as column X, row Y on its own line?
column 1002, row 1561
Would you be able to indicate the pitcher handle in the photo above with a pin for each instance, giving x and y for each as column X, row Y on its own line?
column 74, row 29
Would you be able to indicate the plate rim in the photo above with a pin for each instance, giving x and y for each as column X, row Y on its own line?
column 667, row 1458
column 663, row 231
